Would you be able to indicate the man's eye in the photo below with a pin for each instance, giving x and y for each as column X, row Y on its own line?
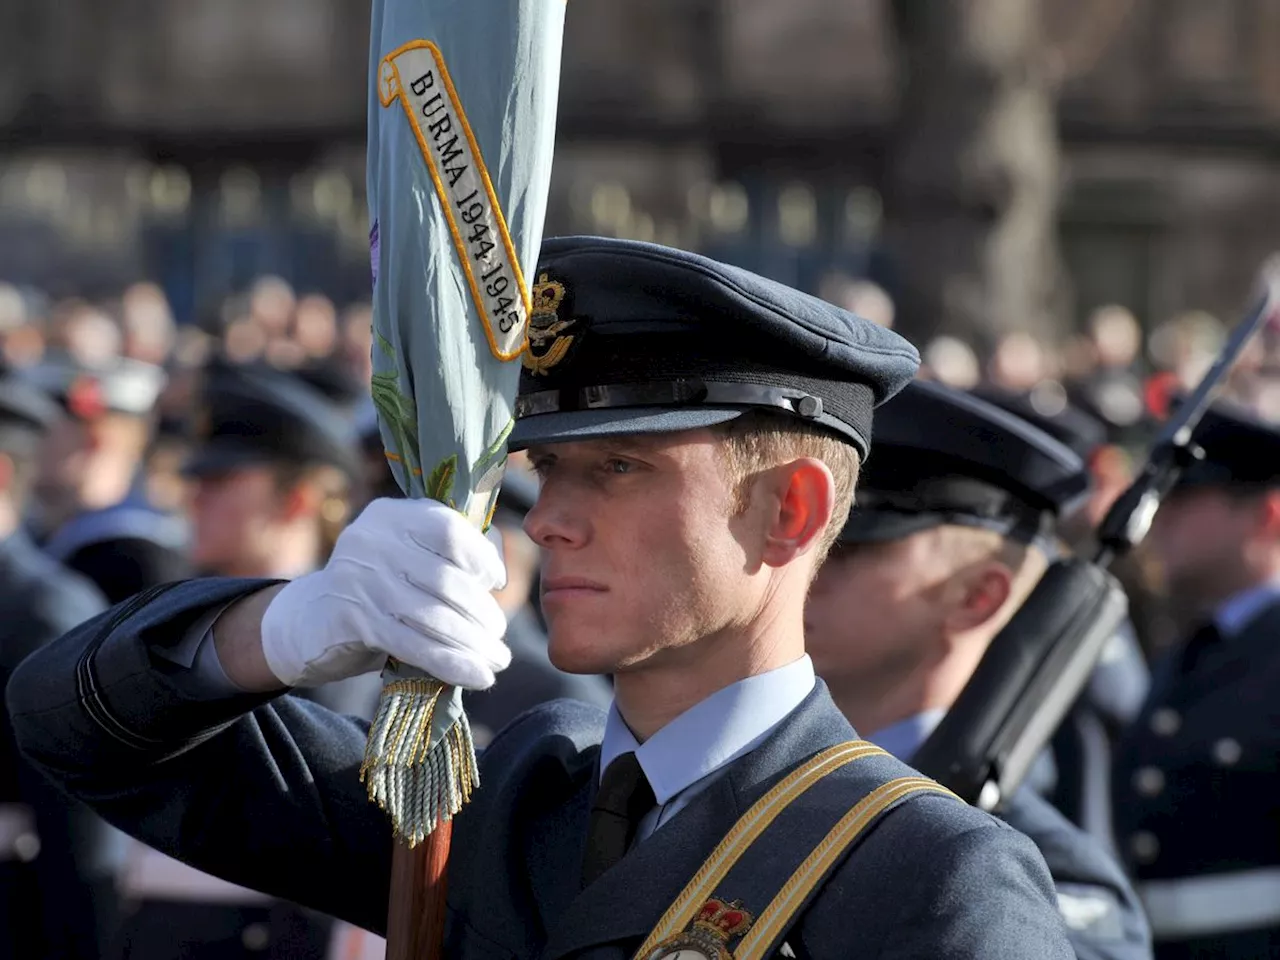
column 614, row 465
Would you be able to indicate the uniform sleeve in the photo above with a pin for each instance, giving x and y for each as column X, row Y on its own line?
column 262, row 792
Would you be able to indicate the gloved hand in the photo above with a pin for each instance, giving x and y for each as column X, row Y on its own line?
column 408, row 578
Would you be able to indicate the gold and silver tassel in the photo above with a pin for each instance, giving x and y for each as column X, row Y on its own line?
column 420, row 762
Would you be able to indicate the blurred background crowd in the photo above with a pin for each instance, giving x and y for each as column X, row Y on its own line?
column 1063, row 203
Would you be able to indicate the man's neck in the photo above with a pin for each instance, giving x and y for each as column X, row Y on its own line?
column 653, row 694
column 107, row 482
column 294, row 554
column 870, row 709
column 873, row 703
column 1207, row 603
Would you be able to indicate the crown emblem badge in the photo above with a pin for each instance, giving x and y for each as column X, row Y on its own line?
column 548, row 343
column 708, row 936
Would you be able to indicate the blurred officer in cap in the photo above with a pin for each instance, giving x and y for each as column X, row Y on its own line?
column 55, row 865
column 1083, row 747
column 698, row 430
column 271, row 468
column 1198, row 774
column 953, row 525
column 94, row 512
column 273, row 465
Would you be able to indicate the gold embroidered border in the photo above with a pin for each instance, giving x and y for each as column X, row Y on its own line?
column 387, row 97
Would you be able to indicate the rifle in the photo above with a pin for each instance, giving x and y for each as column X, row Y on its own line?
column 1035, row 668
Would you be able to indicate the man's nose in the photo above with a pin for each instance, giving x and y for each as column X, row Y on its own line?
column 555, row 520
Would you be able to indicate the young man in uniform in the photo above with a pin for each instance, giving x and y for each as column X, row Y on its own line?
column 1198, row 773
column 698, row 431
column 956, row 516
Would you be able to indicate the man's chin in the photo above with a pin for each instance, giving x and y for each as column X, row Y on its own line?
column 577, row 654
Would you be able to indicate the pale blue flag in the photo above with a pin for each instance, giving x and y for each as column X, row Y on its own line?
column 462, row 110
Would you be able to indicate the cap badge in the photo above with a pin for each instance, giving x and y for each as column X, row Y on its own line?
column 548, row 343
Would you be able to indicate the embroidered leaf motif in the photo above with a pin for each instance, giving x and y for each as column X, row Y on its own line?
column 385, row 344
column 440, row 483
column 494, row 451
column 395, row 410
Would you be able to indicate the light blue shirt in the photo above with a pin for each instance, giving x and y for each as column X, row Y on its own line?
column 902, row 739
column 1234, row 615
column 685, row 757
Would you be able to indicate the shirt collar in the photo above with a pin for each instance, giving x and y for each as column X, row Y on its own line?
column 1234, row 615
column 902, row 739
column 718, row 730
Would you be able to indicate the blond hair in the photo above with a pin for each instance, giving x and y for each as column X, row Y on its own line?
column 759, row 440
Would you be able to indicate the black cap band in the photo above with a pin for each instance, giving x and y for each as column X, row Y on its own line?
column 683, row 392
column 965, row 502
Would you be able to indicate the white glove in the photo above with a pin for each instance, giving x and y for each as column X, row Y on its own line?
column 408, row 578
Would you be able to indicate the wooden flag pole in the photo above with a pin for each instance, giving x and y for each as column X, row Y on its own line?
column 417, row 910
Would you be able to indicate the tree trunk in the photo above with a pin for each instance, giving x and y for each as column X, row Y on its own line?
column 971, row 183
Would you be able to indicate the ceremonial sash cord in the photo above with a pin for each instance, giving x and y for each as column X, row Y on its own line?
column 775, row 918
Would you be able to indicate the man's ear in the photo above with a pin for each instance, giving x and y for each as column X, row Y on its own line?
column 1269, row 514
column 803, row 499
column 981, row 592
column 301, row 500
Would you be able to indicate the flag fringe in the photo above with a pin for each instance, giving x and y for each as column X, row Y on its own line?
column 417, row 779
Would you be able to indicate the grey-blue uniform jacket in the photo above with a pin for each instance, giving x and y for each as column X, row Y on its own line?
column 1197, row 798
column 265, row 792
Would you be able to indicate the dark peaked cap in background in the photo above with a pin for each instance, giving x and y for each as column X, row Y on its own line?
column 255, row 414
column 1239, row 451
column 628, row 337
column 1070, row 425
column 942, row 456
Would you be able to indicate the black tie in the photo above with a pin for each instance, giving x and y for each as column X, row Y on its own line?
column 1198, row 644
column 624, row 797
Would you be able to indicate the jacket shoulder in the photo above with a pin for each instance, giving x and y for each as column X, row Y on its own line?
column 937, row 877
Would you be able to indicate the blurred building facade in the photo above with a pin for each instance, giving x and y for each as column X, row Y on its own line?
column 208, row 142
